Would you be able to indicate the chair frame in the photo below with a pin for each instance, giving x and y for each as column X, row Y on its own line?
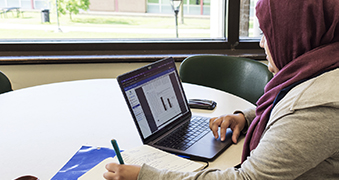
column 5, row 83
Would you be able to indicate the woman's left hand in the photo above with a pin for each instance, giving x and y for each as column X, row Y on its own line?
column 121, row 172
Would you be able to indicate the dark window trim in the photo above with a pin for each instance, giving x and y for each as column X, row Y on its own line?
column 100, row 51
column 233, row 23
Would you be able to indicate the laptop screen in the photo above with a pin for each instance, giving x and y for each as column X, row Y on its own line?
column 155, row 96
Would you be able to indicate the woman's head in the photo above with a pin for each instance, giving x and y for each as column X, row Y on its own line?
column 293, row 28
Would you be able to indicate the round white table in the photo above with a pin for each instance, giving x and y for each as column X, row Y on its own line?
column 42, row 127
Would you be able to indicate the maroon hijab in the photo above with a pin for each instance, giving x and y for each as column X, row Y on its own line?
column 303, row 38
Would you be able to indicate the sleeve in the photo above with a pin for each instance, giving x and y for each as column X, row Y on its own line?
column 150, row 173
column 294, row 145
column 291, row 146
column 249, row 116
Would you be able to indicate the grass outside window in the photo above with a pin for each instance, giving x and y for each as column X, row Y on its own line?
column 83, row 26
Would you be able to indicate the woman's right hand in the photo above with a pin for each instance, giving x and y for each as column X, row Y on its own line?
column 121, row 171
column 236, row 122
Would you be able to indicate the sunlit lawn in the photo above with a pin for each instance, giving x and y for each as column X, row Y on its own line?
column 100, row 21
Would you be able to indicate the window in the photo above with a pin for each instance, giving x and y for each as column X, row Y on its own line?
column 249, row 27
column 128, row 27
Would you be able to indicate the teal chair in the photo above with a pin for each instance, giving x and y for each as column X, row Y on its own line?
column 242, row 77
column 5, row 84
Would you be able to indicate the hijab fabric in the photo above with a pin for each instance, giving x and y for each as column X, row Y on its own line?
column 303, row 38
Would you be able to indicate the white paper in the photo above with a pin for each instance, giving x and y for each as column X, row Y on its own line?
column 148, row 155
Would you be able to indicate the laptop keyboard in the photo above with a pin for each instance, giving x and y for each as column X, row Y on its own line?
column 185, row 137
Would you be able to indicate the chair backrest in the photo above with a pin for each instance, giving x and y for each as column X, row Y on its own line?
column 243, row 77
column 5, row 84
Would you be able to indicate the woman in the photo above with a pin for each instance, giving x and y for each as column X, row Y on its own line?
column 294, row 131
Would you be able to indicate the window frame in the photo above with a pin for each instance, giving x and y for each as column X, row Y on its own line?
column 112, row 50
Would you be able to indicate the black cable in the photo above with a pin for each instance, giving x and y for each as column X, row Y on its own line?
column 207, row 164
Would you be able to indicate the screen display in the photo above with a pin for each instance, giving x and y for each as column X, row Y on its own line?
column 155, row 97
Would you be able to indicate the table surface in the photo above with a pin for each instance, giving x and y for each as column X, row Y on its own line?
column 43, row 126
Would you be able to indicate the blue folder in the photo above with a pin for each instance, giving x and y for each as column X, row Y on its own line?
column 82, row 161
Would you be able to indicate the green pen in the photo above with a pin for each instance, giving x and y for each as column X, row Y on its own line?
column 117, row 151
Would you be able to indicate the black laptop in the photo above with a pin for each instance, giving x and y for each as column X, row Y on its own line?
column 159, row 107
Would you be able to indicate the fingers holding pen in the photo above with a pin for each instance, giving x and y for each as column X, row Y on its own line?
column 121, row 172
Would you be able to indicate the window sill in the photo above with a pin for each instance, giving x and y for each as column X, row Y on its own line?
column 73, row 59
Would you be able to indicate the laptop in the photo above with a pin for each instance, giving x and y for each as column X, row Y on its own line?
column 160, row 110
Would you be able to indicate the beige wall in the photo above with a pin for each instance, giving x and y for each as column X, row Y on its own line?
column 132, row 6
column 138, row 6
column 23, row 76
column 102, row 5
